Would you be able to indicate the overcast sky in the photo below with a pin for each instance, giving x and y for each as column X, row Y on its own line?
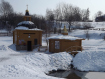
column 39, row 6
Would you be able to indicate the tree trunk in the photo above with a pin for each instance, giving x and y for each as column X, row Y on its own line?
column 69, row 26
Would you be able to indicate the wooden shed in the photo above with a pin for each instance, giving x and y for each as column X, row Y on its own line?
column 64, row 42
column 27, row 39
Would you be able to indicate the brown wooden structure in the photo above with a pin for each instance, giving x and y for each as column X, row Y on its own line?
column 27, row 39
column 64, row 42
column 61, row 45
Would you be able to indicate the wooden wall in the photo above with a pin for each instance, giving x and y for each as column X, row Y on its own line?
column 64, row 44
column 24, row 35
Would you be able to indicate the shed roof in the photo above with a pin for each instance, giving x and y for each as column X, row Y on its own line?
column 66, row 37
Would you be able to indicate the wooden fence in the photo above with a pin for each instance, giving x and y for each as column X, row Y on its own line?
column 5, row 34
column 74, row 49
column 42, row 48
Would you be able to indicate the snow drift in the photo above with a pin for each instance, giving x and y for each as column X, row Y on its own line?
column 90, row 61
column 33, row 65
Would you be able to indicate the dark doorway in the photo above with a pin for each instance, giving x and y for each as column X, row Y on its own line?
column 29, row 46
column 35, row 41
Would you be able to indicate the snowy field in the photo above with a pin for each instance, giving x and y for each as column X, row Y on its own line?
column 34, row 65
column 28, row 65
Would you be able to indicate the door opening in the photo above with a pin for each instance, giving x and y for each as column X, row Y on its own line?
column 29, row 46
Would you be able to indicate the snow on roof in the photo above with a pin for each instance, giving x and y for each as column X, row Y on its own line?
column 25, row 22
column 64, row 37
column 35, row 29
column 22, row 28
column 26, row 28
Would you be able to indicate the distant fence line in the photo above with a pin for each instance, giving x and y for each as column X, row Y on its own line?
column 5, row 34
column 97, row 48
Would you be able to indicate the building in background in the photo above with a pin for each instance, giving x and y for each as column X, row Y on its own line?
column 100, row 18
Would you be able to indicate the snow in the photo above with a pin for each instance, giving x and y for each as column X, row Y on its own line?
column 95, row 75
column 35, row 29
column 26, row 23
column 95, row 25
column 3, row 31
column 93, row 55
column 64, row 37
column 95, row 35
column 22, row 28
column 29, row 65
column 26, row 28
column 90, row 61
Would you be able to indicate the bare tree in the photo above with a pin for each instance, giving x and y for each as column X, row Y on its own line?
column 61, row 17
column 99, row 13
column 83, row 12
column 55, row 30
column 58, row 12
column 85, row 15
column 104, row 36
column 49, row 15
column 39, row 21
column 87, row 34
column 86, row 26
column 68, row 13
column 50, row 20
column 71, row 14
column 77, row 14
column 5, row 9
column 56, row 16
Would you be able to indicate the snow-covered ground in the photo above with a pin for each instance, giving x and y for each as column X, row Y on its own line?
column 23, row 64
column 92, row 57
column 29, row 65
column 3, row 31
column 95, row 25
column 90, row 61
